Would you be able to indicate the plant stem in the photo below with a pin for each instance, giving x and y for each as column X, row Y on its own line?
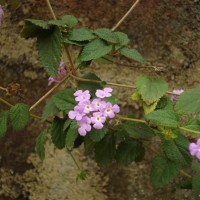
column 73, row 158
column 51, row 9
column 126, row 15
column 130, row 119
column 110, row 83
column 10, row 105
column 107, row 83
column 49, row 92
column 189, row 130
column 5, row 102
column 185, row 174
column 65, row 46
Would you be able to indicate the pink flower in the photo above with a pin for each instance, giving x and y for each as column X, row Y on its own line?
column 77, row 113
column 1, row 15
column 61, row 74
column 82, row 96
column 109, row 110
column 84, row 125
column 176, row 92
column 104, row 93
column 97, row 104
column 87, row 107
column 98, row 119
column 194, row 149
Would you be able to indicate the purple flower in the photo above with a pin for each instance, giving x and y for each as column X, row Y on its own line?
column 87, row 107
column 1, row 14
column 77, row 113
column 176, row 92
column 194, row 149
column 84, row 125
column 109, row 110
column 97, row 104
column 98, row 119
column 104, row 93
column 61, row 74
column 82, row 96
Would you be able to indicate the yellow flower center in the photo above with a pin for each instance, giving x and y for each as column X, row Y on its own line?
column 98, row 104
column 87, row 107
column 108, row 110
column 98, row 118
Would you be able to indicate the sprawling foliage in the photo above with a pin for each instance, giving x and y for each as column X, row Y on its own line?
column 93, row 121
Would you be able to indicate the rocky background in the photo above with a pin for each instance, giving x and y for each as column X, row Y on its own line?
column 166, row 32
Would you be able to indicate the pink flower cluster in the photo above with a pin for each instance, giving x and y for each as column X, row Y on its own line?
column 194, row 149
column 176, row 92
column 61, row 74
column 94, row 112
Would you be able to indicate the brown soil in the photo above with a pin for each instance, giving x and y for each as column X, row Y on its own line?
column 165, row 32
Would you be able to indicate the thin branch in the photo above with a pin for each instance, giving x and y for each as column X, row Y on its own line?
column 135, row 66
column 110, row 83
column 107, row 83
column 126, row 15
column 73, row 158
column 189, row 130
column 10, row 105
column 49, row 92
column 185, row 174
column 50, row 9
column 130, row 119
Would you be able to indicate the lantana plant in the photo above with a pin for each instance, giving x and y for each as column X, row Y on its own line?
column 87, row 113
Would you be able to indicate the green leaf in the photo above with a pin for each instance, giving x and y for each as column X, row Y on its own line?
column 19, row 116
column 132, row 54
column 129, row 151
column 177, row 150
column 50, row 50
column 95, row 49
column 66, row 124
column 81, row 34
column 97, row 135
column 163, row 171
column 137, row 130
column 165, row 104
column 164, row 118
column 82, row 175
column 64, row 100
column 58, row 135
column 105, row 150
column 70, row 20
column 195, row 179
column 56, row 22
column 34, row 28
column 151, row 90
column 40, row 141
column 189, row 102
column 3, row 123
column 196, row 185
column 72, row 134
column 92, row 87
column 107, row 35
column 49, row 109
column 193, row 124
column 195, row 166
column 88, row 145
column 112, row 99
column 122, row 38
column 84, row 64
